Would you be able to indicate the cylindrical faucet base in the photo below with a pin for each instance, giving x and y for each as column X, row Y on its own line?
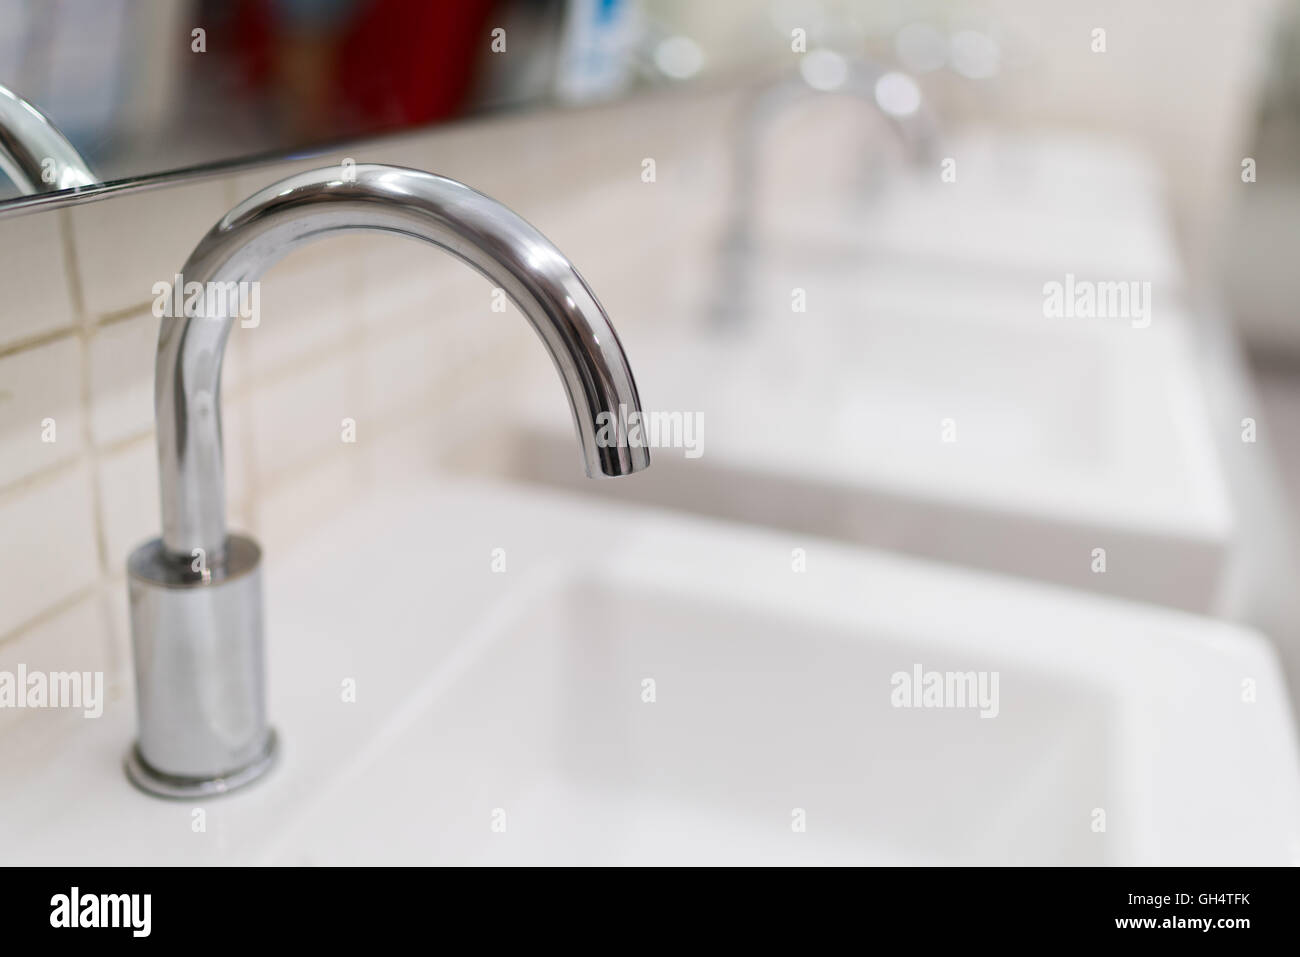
column 200, row 670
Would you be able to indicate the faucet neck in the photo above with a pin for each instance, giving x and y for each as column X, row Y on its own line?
column 300, row 210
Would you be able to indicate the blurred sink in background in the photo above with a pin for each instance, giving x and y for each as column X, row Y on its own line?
column 1062, row 445
column 923, row 400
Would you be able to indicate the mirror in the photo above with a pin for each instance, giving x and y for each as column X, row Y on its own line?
column 114, row 92
column 134, row 89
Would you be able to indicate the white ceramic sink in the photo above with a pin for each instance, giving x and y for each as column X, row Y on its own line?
column 1069, row 435
column 518, row 697
column 971, row 430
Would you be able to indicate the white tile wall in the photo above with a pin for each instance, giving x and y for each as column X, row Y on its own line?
column 237, row 439
column 299, row 416
column 398, row 369
column 127, row 243
column 40, row 408
column 50, row 548
column 403, row 278
column 309, row 306
column 121, row 377
column 128, row 497
column 34, row 275
column 287, row 510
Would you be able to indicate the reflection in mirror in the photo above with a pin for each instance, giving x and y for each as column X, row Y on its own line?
column 35, row 156
column 143, row 87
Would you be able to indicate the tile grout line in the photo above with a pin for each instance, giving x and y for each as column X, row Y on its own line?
column 76, row 294
column 33, row 480
column 49, row 613
column 134, row 311
column 77, row 297
column 38, row 340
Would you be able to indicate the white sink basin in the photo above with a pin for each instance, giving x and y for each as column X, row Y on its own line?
column 756, row 715
column 1065, row 437
column 517, row 697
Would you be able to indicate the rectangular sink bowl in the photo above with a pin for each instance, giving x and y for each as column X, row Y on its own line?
column 969, row 431
column 684, row 696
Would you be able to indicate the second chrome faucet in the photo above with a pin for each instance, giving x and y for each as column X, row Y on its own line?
column 195, row 592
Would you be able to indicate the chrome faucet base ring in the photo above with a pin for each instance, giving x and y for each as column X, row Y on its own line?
column 155, row 782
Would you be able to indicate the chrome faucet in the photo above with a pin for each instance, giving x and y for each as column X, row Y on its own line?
column 822, row 72
column 29, row 141
column 196, row 605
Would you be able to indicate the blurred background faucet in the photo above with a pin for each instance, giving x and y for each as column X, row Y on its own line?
column 892, row 95
column 195, row 593
column 33, row 153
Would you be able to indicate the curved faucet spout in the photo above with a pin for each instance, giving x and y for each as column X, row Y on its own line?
column 29, row 141
column 304, row 208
